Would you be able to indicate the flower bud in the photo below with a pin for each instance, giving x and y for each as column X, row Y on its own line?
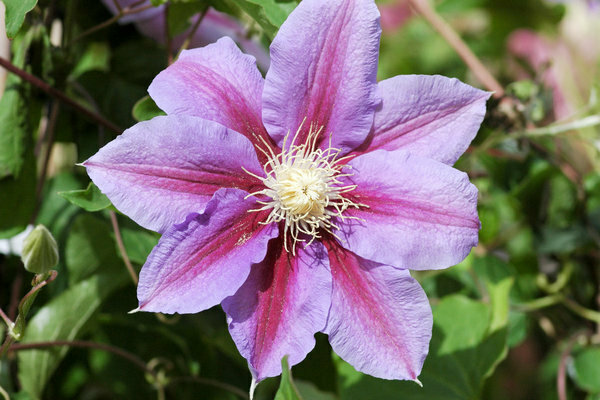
column 40, row 251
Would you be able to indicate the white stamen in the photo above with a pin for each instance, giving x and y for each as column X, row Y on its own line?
column 304, row 189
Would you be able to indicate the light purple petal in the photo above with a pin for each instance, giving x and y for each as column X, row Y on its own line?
column 432, row 116
column 421, row 214
column 280, row 307
column 380, row 320
column 198, row 263
column 159, row 171
column 323, row 69
column 217, row 82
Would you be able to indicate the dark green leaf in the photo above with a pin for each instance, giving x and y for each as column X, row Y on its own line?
column 95, row 58
column 13, row 118
column 63, row 318
column 464, row 351
column 90, row 199
column 287, row 388
column 90, row 248
column 586, row 369
column 15, row 14
column 310, row 392
column 179, row 15
column 269, row 14
column 138, row 243
column 146, row 109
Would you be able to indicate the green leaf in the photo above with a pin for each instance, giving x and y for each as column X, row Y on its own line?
column 138, row 243
column 309, row 391
column 269, row 14
column 90, row 199
column 586, row 369
column 464, row 351
column 95, row 58
column 287, row 388
column 90, row 248
column 179, row 15
column 63, row 318
column 146, row 109
column 13, row 120
column 15, row 14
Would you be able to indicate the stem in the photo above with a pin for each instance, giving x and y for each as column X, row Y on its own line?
column 561, row 381
column 4, row 393
column 26, row 302
column 592, row 120
column 211, row 382
column 122, row 12
column 5, row 318
column 121, row 245
column 193, row 31
column 138, row 362
column 49, row 137
column 90, row 345
column 453, row 39
column 40, row 84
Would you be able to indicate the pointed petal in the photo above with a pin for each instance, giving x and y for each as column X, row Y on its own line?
column 323, row 69
column 198, row 263
column 280, row 307
column 217, row 82
column 432, row 116
column 380, row 320
column 421, row 214
column 159, row 171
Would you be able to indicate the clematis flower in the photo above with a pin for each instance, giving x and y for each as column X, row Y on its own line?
column 300, row 201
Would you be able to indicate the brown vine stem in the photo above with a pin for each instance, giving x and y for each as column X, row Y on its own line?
column 193, row 31
column 98, row 346
column 561, row 376
column 52, row 91
column 121, row 245
column 49, row 138
column 424, row 8
column 211, row 382
column 122, row 12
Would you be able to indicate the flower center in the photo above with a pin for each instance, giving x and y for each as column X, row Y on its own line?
column 303, row 188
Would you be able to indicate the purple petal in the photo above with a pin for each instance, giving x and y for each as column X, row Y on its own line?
column 323, row 69
column 198, row 263
column 159, row 171
column 421, row 214
column 280, row 307
column 380, row 320
column 217, row 82
column 432, row 116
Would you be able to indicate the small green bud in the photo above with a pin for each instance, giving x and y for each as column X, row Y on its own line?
column 40, row 251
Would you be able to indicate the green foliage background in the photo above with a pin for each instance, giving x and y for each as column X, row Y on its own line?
column 523, row 307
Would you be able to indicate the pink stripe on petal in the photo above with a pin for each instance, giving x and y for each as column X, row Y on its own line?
column 421, row 214
column 198, row 263
column 217, row 82
column 432, row 116
column 159, row 171
column 280, row 307
column 323, row 69
column 380, row 320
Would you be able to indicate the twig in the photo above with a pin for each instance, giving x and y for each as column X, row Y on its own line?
column 90, row 345
column 15, row 292
column 561, row 381
column 211, row 382
column 98, row 346
column 121, row 245
column 193, row 31
column 4, row 393
column 449, row 34
column 121, row 13
column 49, row 137
column 97, row 118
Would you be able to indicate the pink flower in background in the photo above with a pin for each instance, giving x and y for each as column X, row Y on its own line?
column 395, row 14
column 300, row 201
column 151, row 22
